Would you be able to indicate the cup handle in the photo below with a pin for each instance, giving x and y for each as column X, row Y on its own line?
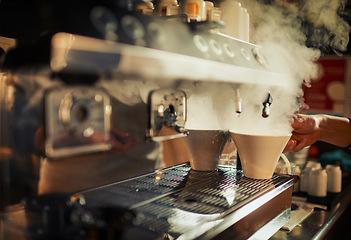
column 287, row 163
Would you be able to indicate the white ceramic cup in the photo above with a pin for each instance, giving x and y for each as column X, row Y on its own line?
column 205, row 148
column 318, row 183
column 259, row 154
column 334, row 178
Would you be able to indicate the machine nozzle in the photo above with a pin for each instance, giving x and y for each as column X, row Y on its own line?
column 266, row 106
column 238, row 101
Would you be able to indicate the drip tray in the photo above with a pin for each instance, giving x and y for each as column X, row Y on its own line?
column 180, row 203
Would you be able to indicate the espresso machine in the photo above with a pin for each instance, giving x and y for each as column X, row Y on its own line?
column 102, row 119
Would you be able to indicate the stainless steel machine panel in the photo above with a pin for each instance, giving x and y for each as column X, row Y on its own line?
column 100, row 108
column 177, row 203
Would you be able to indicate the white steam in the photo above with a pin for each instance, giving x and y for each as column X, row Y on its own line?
column 280, row 29
column 291, row 34
column 325, row 14
column 210, row 106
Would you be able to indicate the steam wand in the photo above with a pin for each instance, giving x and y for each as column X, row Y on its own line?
column 266, row 105
column 238, row 106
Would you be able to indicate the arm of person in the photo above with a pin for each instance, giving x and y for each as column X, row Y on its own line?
column 335, row 130
column 307, row 129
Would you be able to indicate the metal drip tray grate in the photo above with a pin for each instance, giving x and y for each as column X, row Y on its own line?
column 180, row 202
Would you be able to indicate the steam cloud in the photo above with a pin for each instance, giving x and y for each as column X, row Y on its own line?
column 284, row 30
column 292, row 35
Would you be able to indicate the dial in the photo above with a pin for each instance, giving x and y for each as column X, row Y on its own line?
column 200, row 43
column 132, row 27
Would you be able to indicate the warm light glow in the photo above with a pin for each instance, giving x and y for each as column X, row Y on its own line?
column 193, row 8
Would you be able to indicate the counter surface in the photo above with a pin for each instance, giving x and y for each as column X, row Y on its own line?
column 329, row 219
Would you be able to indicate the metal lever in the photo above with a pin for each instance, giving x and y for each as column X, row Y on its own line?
column 266, row 106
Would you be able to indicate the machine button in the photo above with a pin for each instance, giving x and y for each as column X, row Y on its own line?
column 200, row 43
column 215, row 47
column 228, row 50
column 105, row 22
column 132, row 27
column 259, row 56
column 156, row 32
column 245, row 54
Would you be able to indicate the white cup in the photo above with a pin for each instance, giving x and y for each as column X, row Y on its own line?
column 205, row 148
column 334, row 178
column 305, row 177
column 296, row 187
column 259, row 154
column 232, row 17
column 318, row 183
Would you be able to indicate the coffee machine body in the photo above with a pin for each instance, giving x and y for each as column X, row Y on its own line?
column 112, row 118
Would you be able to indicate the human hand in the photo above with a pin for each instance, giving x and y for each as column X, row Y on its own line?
column 122, row 142
column 305, row 132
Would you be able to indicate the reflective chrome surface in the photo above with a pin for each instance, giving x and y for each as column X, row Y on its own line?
column 167, row 114
column 103, row 105
column 324, row 222
column 75, row 52
column 77, row 121
column 181, row 203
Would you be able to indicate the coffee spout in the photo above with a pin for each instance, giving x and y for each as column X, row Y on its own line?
column 266, row 106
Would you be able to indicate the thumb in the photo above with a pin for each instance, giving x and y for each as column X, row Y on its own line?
column 298, row 123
